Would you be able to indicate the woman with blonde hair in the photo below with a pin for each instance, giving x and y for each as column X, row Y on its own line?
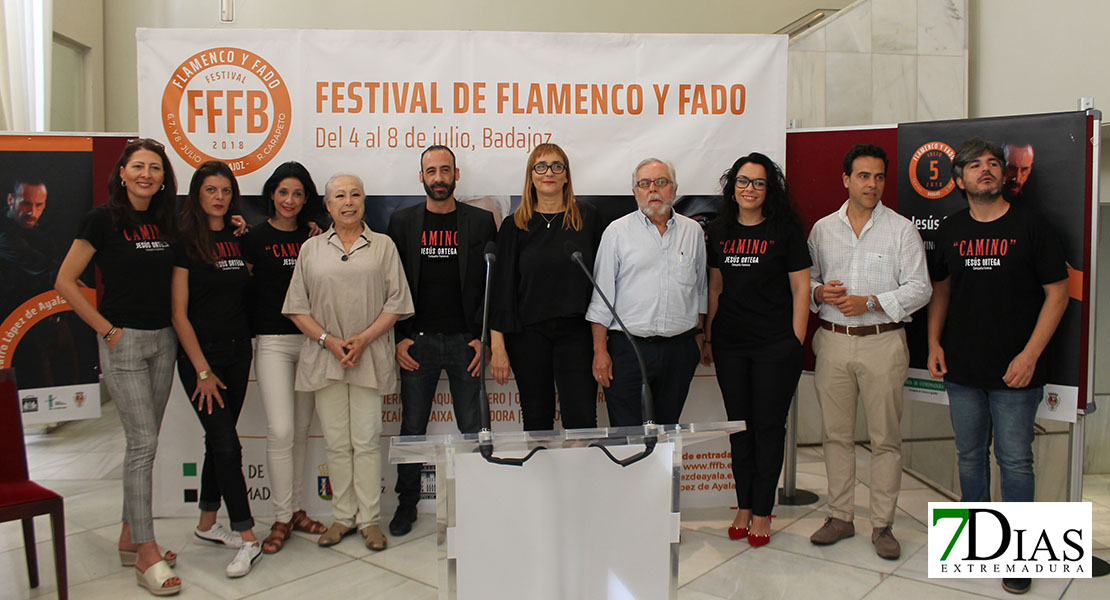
column 537, row 319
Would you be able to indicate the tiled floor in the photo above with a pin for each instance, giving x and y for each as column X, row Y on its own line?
column 81, row 460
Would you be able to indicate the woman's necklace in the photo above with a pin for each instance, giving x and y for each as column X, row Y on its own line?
column 549, row 221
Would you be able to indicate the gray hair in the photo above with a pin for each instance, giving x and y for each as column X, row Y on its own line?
column 327, row 186
column 972, row 149
column 648, row 161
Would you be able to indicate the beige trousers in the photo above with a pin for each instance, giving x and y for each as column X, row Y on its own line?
column 351, row 417
column 872, row 368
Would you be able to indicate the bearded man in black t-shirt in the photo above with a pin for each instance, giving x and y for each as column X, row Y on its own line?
column 999, row 290
column 441, row 245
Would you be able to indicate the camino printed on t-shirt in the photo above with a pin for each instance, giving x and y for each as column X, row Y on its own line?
column 229, row 256
column 146, row 238
column 744, row 252
column 983, row 254
column 285, row 252
column 439, row 243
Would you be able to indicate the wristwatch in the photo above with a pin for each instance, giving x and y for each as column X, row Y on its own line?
column 323, row 336
column 870, row 304
column 202, row 375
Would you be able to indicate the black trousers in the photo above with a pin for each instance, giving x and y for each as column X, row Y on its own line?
column 670, row 368
column 757, row 384
column 436, row 353
column 222, row 473
column 549, row 355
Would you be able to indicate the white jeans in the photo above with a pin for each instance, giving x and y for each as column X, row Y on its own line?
column 288, row 416
column 351, row 417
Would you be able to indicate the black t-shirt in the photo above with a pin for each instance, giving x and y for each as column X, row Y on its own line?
column 272, row 254
column 756, row 305
column 135, row 268
column 535, row 279
column 216, row 292
column 998, row 271
column 439, row 303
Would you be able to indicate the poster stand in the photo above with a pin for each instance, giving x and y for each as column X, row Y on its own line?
column 569, row 523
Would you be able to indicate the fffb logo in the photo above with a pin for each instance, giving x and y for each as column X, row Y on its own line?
column 226, row 104
column 1009, row 539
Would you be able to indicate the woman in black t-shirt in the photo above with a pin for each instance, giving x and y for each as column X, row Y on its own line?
column 537, row 318
column 758, row 310
column 128, row 240
column 214, row 358
column 271, row 249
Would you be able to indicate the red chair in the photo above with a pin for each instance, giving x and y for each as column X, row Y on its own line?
column 20, row 498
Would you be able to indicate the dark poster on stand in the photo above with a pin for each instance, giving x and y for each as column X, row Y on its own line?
column 46, row 188
column 1047, row 170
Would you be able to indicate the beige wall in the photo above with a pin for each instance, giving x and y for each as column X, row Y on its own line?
column 82, row 21
column 122, row 17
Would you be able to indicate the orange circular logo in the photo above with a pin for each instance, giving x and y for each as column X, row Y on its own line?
column 226, row 104
column 931, row 170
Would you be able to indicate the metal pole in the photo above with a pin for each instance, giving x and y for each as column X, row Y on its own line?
column 789, row 494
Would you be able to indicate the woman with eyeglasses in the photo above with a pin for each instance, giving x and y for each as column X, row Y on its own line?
column 758, row 311
column 214, row 357
column 537, row 319
column 129, row 241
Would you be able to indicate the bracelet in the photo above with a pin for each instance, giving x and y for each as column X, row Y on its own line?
column 323, row 336
column 706, row 341
column 111, row 332
column 202, row 375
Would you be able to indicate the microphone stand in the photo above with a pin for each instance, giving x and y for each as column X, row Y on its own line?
column 651, row 429
column 485, row 435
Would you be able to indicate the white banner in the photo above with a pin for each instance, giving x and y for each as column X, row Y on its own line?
column 368, row 102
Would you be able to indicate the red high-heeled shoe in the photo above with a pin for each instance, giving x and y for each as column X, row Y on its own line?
column 760, row 540
column 737, row 533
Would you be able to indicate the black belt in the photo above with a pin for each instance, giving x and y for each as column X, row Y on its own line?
column 655, row 339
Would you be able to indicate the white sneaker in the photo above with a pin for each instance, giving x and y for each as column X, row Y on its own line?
column 248, row 554
column 219, row 536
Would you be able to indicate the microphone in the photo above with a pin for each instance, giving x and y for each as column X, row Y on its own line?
column 491, row 252
column 647, row 406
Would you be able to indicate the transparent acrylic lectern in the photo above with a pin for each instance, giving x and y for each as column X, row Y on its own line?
column 568, row 523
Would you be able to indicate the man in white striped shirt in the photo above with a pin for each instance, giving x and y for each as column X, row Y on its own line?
column 868, row 277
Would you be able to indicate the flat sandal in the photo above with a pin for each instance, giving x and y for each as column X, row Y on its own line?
column 302, row 522
column 279, row 532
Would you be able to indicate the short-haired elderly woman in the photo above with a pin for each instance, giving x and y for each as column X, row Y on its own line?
column 347, row 291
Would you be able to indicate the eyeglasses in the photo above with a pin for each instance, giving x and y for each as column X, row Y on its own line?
column 644, row 184
column 758, row 184
column 555, row 167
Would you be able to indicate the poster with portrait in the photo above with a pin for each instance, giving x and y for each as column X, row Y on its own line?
column 46, row 186
column 1047, row 169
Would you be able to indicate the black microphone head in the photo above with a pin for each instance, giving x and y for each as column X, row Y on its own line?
column 572, row 250
column 491, row 251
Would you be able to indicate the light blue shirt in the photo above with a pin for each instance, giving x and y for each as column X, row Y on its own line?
column 657, row 283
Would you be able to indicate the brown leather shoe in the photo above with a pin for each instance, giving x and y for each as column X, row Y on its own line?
column 832, row 532
column 374, row 538
column 885, row 545
column 335, row 534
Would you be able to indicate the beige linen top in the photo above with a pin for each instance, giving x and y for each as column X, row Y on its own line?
column 345, row 297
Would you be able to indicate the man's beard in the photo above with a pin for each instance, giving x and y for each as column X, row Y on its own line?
column 440, row 193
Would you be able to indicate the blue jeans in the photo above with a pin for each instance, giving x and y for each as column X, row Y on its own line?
column 436, row 353
column 1006, row 416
